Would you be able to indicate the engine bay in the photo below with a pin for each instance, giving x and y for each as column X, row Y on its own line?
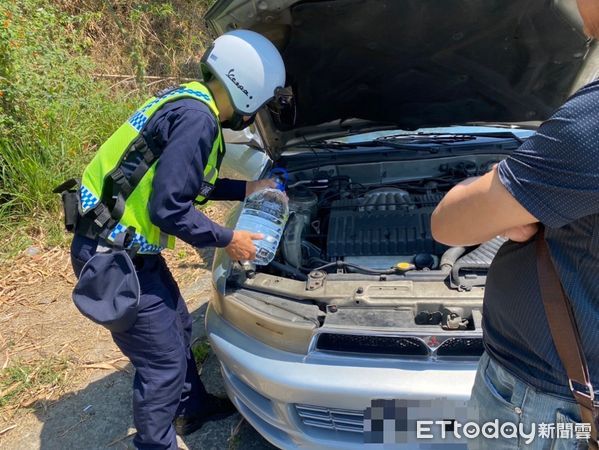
column 357, row 270
column 344, row 221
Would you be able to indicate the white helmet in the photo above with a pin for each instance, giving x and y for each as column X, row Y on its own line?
column 248, row 65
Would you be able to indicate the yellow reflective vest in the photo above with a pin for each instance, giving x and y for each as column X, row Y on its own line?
column 108, row 158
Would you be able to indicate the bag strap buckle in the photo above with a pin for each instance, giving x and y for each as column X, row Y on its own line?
column 125, row 241
column 587, row 392
column 102, row 215
column 120, row 181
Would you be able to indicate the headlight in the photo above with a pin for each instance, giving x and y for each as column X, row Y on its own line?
column 277, row 322
column 221, row 269
column 221, row 264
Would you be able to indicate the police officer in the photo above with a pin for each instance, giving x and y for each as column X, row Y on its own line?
column 147, row 176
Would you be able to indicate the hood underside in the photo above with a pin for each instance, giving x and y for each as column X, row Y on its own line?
column 416, row 63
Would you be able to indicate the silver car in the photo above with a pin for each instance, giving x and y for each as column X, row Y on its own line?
column 360, row 303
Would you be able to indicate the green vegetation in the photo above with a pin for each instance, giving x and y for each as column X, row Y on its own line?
column 200, row 351
column 53, row 114
column 24, row 383
column 55, row 108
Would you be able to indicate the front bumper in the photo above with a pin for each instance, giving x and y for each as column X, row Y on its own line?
column 314, row 401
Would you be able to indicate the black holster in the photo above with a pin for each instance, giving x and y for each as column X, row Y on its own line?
column 69, row 193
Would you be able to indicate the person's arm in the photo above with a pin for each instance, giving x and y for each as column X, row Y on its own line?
column 177, row 181
column 553, row 178
column 478, row 210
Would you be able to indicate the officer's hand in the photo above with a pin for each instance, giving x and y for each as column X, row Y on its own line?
column 253, row 186
column 241, row 247
column 521, row 233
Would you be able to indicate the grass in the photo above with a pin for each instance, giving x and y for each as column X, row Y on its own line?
column 234, row 442
column 53, row 114
column 23, row 384
column 201, row 350
column 56, row 107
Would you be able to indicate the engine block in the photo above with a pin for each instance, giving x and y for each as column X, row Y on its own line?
column 389, row 225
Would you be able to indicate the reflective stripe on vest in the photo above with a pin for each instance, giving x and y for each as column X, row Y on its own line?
column 148, row 236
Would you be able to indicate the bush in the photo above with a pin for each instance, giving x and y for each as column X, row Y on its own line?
column 53, row 114
column 56, row 107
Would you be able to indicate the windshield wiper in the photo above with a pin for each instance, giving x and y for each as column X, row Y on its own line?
column 430, row 142
column 419, row 139
column 375, row 143
column 447, row 138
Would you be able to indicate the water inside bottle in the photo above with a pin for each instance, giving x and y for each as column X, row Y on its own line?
column 265, row 212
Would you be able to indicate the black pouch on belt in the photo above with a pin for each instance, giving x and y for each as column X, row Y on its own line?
column 107, row 291
column 69, row 192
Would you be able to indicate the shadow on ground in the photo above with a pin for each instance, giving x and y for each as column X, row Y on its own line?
column 99, row 416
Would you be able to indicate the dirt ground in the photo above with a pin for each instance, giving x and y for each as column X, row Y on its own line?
column 63, row 382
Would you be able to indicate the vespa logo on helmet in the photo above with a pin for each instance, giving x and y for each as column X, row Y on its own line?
column 231, row 76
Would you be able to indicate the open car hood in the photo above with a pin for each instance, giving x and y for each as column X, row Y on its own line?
column 414, row 63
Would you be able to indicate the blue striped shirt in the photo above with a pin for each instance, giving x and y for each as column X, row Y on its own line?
column 555, row 176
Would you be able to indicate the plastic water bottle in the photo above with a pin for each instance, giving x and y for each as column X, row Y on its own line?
column 265, row 212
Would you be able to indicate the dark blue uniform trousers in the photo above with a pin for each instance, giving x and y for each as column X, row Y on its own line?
column 166, row 382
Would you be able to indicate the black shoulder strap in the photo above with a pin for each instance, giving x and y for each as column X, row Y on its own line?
column 102, row 218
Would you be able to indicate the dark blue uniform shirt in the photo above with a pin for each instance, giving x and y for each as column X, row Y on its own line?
column 555, row 176
column 185, row 129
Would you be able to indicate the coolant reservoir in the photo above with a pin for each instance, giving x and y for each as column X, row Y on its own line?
column 265, row 212
column 302, row 202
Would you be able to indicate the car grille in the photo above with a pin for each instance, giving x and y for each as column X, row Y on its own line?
column 461, row 347
column 385, row 345
column 331, row 419
column 422, row 346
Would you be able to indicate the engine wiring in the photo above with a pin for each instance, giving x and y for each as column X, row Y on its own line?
column 332, row 193
column 343, row 265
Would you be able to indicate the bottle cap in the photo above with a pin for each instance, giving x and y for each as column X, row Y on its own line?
column 281, row 177
column 405, row 266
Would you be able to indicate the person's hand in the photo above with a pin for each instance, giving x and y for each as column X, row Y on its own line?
column 241, row 247
column 521, row 233
column 258, row 185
